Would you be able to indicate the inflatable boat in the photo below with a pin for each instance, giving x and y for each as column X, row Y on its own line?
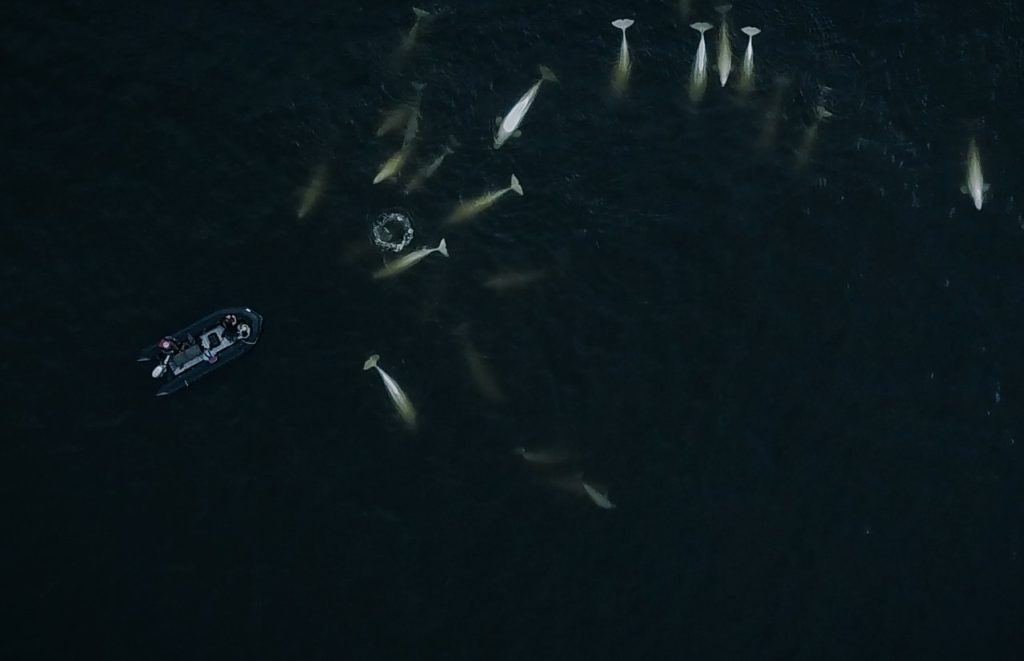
column 196, row 350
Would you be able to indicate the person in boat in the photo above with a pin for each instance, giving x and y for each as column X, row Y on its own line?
column 230, row 327
column 184, row 344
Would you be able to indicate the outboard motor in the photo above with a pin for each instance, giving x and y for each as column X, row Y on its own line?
column 158, row 371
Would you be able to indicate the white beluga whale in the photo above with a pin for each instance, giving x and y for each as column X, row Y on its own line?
column 747, row 70
column 466, row 210
column 401, row 401
column 393, row 166
column 975, row 185
column 406, row 262
column 620, row 75
column 724, row 46
column 509, row 125
column 699, row 75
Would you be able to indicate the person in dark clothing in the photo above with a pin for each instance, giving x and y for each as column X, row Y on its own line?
column 231, row 327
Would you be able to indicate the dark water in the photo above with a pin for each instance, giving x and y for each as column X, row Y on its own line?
column 801, row 385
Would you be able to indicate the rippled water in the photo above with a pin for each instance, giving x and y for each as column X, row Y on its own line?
column 798, row 380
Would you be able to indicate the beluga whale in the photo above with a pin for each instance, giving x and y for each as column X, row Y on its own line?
column 747, row 70
column 600, row 499
column 393, row 166
column 724, row 46
column 975, row 185
column 551, row 457
column 403, row 406
column 466, row 210
column 508, row 126
column 512, row 280
column 684, row 9
column 775, row 113
column 411, row 38
column 398, row 117
column 313, row 191
column 620, row 74
column 479, row 368
column 412, row 126
column 699, row 75
column 428, row 170
column 803, row 154
column 406, row 262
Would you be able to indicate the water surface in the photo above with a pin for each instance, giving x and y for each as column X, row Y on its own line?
column 799, row 382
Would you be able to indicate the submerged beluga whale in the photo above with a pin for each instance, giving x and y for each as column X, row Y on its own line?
column 428, row 170
column 393, row 166
column 508, row 125
column 775, row 112
column 399, row 116
column 803, row 153
column 411, row 38
column 312, row 192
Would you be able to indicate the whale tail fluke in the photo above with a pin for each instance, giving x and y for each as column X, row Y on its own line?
column 750, row 32
column 371, row 362
column 701, row 27
column 515, row 185
column 723, row 9
column 442, row 248
column 623, row 23
column 547, row 74
column 420, row 13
